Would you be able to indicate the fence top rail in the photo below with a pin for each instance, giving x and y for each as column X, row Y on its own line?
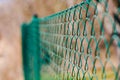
column 84, row 5
column 63, row 11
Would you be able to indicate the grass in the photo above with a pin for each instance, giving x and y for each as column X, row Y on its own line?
column 48, row 74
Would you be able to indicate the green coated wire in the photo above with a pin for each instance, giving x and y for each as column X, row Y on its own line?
column 73, row 43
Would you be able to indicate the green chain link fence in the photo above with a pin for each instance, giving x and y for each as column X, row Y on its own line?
column 74, row 42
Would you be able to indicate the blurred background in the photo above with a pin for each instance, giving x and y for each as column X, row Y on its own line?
column 12, row 14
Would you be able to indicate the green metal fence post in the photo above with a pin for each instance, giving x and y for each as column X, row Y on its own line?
column 30, row 50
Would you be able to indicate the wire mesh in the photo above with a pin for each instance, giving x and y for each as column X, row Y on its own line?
column 82, row 42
